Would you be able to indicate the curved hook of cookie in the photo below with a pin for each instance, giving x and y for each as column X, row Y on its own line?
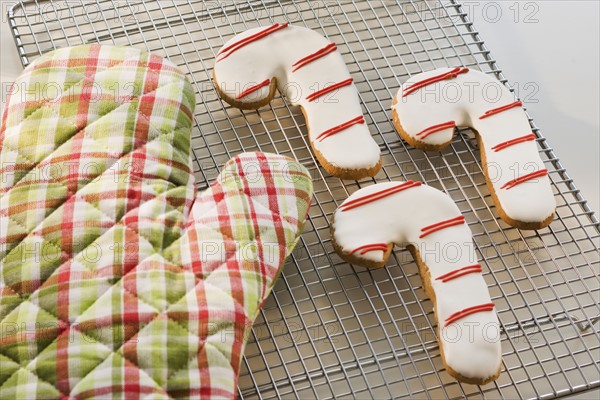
column 368, row 224
column 430, row 105
column 311, row 73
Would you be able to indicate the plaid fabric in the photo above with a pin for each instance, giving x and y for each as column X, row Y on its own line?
column 117, row 280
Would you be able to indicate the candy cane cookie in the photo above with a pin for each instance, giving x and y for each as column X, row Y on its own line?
column 311, row 73
column 372, row 220
column 430, row 105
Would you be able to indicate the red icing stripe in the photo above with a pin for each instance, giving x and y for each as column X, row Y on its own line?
column 340, row 127
column 254, row 88
column 508, row 143
column 425, row 82
column 436, row 128
column 378, row 195
column 331, row 47
column 525, row 178
column 248, row 39
column 232, row 48
column 441, row 225
column 370, row 247
column 468, row 311
column 459, row 272
column 328, row 89
column 494, row 111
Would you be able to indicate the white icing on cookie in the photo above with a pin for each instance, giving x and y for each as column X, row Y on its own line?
column 429, row 110
column 407, row 213
column 282, row 53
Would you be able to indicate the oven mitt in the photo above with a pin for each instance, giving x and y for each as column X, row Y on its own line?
column 117, row 279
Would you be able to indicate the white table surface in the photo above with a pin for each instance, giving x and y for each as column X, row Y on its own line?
column 553, row 46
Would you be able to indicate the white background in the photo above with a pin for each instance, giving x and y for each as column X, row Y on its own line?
column 549, row 49
column 553, row 45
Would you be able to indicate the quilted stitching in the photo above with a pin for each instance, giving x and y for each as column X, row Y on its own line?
column 163, row 307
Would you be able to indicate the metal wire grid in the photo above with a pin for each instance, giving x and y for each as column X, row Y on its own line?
column 330, row 329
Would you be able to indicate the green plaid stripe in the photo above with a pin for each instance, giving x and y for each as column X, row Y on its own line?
column 117, row 280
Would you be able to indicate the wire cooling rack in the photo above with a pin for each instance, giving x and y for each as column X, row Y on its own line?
column 330, row 329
